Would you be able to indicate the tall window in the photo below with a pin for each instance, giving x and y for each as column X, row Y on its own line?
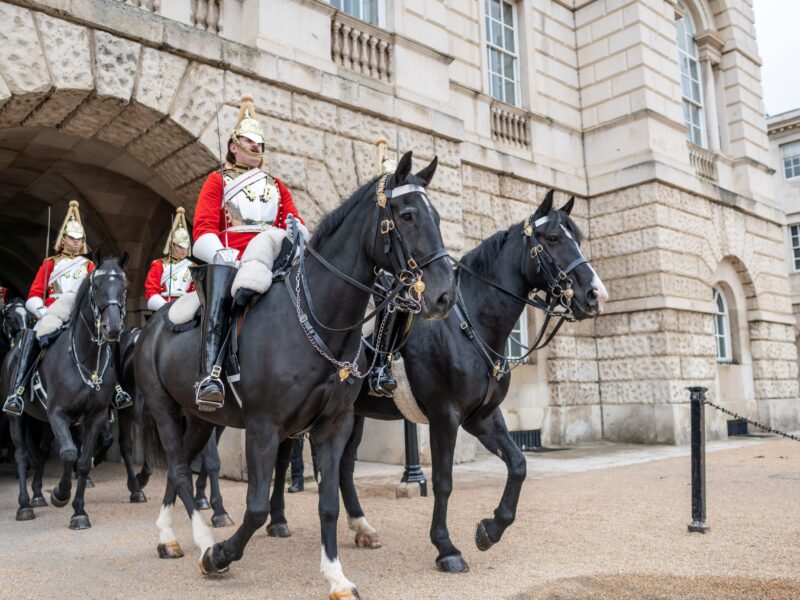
column 794, row 231
column 501, row 45
column 366, row 10
column 691, row 82
column 790, row 153
column 517, row 342
column 722, row 328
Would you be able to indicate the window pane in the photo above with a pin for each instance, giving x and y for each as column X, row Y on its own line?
column 511, row 93
column 497, row 34
column 509, row 41
column 508, row 14
column 508, row 66
column 497, row 87
column 495, row 9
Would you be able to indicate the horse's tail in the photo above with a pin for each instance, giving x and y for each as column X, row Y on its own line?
column 154, row 453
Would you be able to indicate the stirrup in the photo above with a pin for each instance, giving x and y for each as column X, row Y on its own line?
column 203, row 404
column 122, row 399
column 15, row 404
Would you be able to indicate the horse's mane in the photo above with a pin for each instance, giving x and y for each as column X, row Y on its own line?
column 336, row 217
column 83, row 290
column 482, row 257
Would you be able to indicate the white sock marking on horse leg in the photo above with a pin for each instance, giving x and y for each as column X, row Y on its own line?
column 201, row 533
column 332, row 571
column 164, row 524
column 360, row 525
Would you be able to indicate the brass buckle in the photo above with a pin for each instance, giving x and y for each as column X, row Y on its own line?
column 536, row 251
column 216, row 371
column 303, row 318
column 387, row 225
column 412, row 264
column 562, row 276
column 381, row 196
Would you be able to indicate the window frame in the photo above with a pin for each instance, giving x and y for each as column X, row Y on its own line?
column 380, row 6
column 794, row 244
column 724, row 316
column 520, row 332
column 515, row 55
column 691, row 55
column 795, row 167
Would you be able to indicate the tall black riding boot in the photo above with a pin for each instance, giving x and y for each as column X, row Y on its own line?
column 380, row 381
column 213, row 284
column 28, row 352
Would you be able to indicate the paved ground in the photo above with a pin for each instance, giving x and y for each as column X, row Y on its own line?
column 605, row 521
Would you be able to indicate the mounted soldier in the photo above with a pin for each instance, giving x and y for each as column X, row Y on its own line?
column 59, row 276
column 169, row 277
column 234, row 206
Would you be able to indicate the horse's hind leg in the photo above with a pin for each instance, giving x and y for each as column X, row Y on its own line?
column 278, row 526
column 17, row 428
column 40, row 451
column 261, row 443
column 168, row 546
column 68, row 453
column 366, row 535
column 91, row 433
column 200, row 483
column 212, row 463
column 493, row 434
column 125, row 421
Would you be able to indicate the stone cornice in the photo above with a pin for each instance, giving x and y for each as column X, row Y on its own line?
column 659, row 303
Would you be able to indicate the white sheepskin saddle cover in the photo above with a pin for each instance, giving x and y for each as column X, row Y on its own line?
column 402, row 396
column 57, row 315
column 255, row 273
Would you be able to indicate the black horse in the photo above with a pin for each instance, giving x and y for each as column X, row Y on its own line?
column 288, row 380
column 456, row 382
column 15, row 318
column 77, row 372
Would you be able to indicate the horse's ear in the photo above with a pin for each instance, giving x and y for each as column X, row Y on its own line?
column 427, row 173
column 97, row 256
column 403, row 168
column 567, row 208
column 123, row 260
column 545, row 207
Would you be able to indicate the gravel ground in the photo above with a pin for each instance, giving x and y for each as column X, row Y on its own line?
column 617, row 533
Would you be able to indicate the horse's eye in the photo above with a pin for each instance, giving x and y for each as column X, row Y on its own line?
column 409, row 217
column 553, row 239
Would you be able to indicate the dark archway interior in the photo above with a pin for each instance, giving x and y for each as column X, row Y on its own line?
column 125, row 205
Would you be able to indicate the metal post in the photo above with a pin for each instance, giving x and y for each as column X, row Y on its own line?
column 698, row 524
column 413, row 471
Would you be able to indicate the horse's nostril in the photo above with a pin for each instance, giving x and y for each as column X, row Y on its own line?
column 591, row 297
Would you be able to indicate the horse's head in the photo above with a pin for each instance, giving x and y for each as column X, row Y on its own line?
column 108, row 293
column 15, row 318
column 409, row 228
column 554, row 262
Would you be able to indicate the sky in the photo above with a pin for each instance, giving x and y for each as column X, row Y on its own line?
column 778, row 35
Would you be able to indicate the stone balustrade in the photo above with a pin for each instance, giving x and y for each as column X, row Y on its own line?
column 510, row 126
column 358, row 46
column 207, row 15
column 148, row 5
column 203, row 14
column 703, row 161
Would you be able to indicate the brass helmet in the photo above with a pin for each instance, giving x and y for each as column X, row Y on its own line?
column 179, row 234
column 73, row 227
column 248, row 126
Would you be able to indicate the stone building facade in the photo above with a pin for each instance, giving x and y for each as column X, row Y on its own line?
column 121, row 105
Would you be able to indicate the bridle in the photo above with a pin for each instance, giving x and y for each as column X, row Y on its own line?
column 94, row 379
column 405, row 293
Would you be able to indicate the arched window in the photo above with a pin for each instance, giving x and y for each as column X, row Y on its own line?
column 722, row 328
column 691, row 81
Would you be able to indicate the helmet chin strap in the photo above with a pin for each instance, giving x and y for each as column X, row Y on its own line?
column 247, row 151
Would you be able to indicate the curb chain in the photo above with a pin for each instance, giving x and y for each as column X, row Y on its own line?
column 753, row 423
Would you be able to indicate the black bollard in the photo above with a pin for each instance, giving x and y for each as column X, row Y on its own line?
column 698, row 524
column 413, row 471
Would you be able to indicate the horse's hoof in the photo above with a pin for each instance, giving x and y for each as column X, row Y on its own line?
column 207, row 566
column 452, row 564
column 202, row 503
column 79, row 522
column 25, row 513
column 38, row 502
column 278, row 530
column 368, row 540
column 222, row 520
column 482, row 540
column 56, row 501
column 89, row 482
column 345, row 594
column 138, row 497
column 170, row 550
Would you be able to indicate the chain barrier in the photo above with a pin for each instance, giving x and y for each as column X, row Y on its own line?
column 750, row 422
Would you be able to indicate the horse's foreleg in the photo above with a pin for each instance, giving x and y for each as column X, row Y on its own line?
column 25, row 510
column 261, row 444
column 200, row 483
column 493, row 434
column 330, row 441
column 40, row 452
column 68, row 453
column 366, row 535
column 168, row 546
column 91, row 434
column 212, row 464
column 443, row 443
column 278, row 526
column 125, row 420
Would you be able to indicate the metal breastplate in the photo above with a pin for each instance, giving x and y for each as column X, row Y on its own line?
column 70, row 280
column 254, row 207
column 177, row 283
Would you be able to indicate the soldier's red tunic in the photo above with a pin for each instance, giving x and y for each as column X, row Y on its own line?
column 243, row 216
column 64, row 274
column 157, row 287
